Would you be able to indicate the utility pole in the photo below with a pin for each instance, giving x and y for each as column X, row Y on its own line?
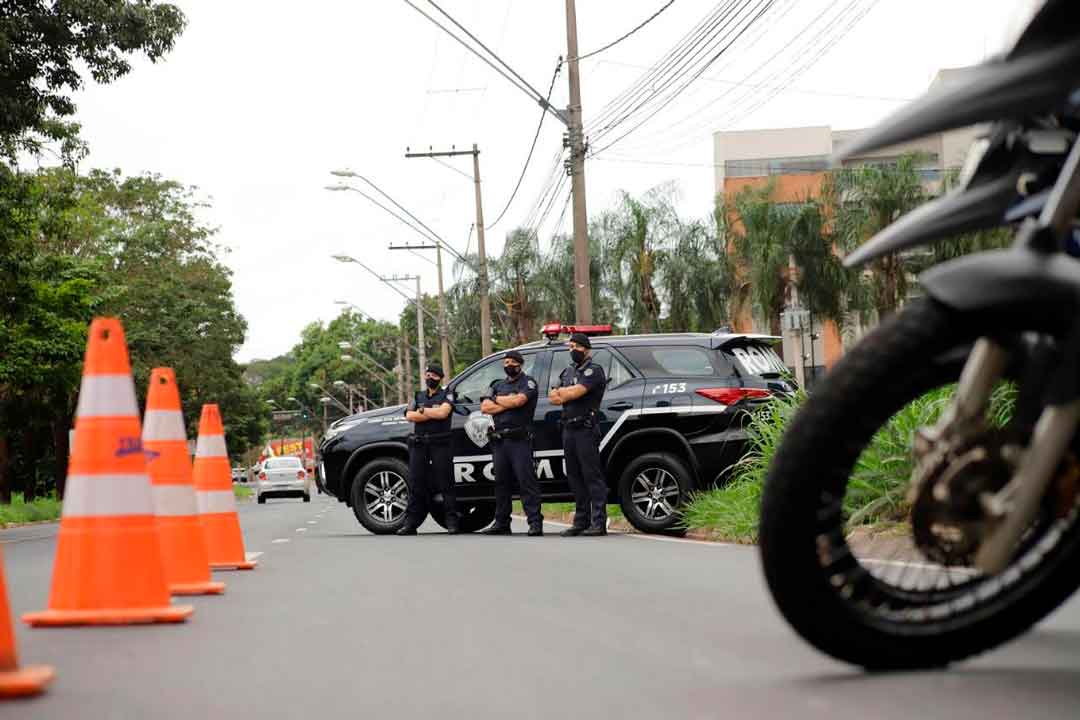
column 485, row 304
column 419, row 320
column 398, row 372
column 444, row 334
column 411, row 392
column 575, row 140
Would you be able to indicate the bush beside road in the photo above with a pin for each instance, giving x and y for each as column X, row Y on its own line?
column 20, row 512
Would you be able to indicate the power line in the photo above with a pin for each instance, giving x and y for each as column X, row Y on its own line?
column 436, row 23
column 532, row 147
column 755, row 15
column 618, row 40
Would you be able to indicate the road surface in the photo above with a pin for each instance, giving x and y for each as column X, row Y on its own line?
column 337, row 623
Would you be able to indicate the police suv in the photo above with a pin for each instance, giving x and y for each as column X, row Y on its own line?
column 671, row 422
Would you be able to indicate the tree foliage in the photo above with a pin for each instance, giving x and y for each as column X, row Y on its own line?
column 46, row 45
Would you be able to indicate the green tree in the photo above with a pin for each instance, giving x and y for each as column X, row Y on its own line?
column 45, row 47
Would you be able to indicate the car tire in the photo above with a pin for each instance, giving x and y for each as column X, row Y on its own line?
column 261, row 500
column 664, row 472
column 474, row 515
column 374, row 514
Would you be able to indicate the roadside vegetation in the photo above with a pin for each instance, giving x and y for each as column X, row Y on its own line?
column 20, row 511
column 241, row 492
column 877, row 492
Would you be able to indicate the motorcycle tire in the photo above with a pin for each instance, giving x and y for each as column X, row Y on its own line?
column 828, row 596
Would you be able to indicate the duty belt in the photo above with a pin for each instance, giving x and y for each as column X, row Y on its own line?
column 430, row 438
column 517, row 433
column 582, row 421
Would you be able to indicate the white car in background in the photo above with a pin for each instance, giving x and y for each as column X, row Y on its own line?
column 283, row 477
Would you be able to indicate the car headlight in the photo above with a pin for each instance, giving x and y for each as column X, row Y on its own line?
column 334, row 430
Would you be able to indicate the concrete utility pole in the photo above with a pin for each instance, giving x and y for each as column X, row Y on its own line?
column 444, row 334
column 411, row 392
column 398, row 372
column 576, row 141
column 482, row 280
column 422, row 359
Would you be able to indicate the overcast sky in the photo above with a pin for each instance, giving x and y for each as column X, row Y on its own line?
column 259, row 101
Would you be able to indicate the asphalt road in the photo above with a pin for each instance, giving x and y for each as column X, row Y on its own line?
column 336, row 623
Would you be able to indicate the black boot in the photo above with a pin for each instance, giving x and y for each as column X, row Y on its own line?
column 497, row 530
column 536, row 530
column 452, row 525
column 572, row 531
column 594, row 531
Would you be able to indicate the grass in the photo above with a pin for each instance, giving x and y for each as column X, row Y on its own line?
column 877, row 491
column 20, row 511
column 613, row 511
column 241, row 492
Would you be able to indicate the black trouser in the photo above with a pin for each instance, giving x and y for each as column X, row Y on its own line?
column 430, row 473
column 514, row 461
column 582, row 454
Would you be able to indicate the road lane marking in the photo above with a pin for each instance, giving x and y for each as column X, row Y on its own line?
column 311, row 522
column 301, row 529
column 279, row 540
column 253, row 555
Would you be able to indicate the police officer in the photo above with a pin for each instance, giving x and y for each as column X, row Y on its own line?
column 581, row 388
column 511, row 405
column 429, row 453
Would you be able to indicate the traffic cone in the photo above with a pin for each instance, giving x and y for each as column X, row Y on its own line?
column 214, row 494
column 15, row 682
column 183, row 549
column 108, row 567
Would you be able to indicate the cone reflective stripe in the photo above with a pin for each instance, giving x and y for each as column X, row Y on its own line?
column 16, row 682
column 214, row 495
column 108, row 567
column 183, row 547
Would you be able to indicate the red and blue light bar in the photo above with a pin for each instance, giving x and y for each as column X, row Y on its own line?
column 553, row 330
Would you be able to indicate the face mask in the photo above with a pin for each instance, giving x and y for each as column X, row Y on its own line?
column 578, row 356
column 512, row 370
column 432, row 383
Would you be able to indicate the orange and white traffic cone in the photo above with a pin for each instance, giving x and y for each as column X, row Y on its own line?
column 16, row 681
column 108, row 567
column 183, row 548
column 214, row 495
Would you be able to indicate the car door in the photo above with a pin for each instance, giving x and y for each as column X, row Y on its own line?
column 472, row 461
column 622, row 402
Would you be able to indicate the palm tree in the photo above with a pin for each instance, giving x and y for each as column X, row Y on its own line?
column 865, row 200
column 760, row 234
column 696, row 278
column 516, row 273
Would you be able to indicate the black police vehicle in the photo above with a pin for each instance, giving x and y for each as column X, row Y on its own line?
column 670, row 423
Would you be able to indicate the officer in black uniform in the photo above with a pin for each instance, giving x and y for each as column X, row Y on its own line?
column 511, row 405
column 581, row 388
column 429, row 453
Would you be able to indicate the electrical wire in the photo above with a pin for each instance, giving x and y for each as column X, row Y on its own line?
column 532, row 147
column 618, row 40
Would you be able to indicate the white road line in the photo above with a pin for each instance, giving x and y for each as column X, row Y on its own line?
column 311, row 522
column 252, row 555
column 279, row 540
column 301, row 529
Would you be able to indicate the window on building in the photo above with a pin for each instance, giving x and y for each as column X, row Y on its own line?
column 761, row 167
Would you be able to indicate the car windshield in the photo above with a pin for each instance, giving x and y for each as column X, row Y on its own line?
column 281, row 463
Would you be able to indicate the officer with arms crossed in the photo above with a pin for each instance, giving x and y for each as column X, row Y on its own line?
column 581, row 388
column 429, row 453
column 511, row 407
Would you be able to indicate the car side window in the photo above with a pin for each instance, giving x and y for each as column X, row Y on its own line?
column 615, row 370
column 675, row 361
column 475, row 385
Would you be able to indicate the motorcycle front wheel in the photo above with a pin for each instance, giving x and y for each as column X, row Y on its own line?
column 912, row 612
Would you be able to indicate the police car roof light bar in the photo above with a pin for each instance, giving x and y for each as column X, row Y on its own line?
column 554, row 329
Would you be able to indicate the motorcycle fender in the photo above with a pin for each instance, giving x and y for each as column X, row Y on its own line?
column 999, row 279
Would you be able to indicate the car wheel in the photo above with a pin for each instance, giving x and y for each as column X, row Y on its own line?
column 652, row 490
column 380, row 495
column 474, row 515
column 261, row 500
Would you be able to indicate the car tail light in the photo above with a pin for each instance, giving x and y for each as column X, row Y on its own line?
column 301, row 475
column 262, row 476
column 733, row 395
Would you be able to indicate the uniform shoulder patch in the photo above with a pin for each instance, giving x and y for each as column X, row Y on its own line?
column 532, row 385
column 588, row 372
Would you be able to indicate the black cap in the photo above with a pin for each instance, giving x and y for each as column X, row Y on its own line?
column 514, row 355
column 435, row 369
column 581, row 339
